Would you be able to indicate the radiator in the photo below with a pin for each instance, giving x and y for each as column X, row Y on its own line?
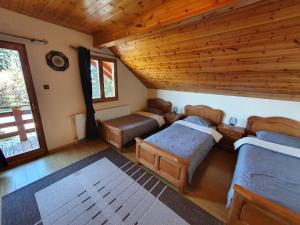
column 103, row 114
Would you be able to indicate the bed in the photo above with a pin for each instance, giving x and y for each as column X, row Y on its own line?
column 175, row 152
column 121, row 131
column 266, row 184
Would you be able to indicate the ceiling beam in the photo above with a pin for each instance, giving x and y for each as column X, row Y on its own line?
column 168, row 15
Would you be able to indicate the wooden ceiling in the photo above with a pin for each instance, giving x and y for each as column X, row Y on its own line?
column 169, row 14
column 88, row 16
column 251, row 51
column 235, row 47
column 114, row 21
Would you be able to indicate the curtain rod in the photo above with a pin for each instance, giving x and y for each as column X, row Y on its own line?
column 26, row 38
column 75, row 48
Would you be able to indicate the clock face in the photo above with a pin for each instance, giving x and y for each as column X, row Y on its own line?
column 57, row 60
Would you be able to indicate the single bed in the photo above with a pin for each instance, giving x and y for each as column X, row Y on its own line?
column 122, row 130
column 175, row 152
column 266, row 183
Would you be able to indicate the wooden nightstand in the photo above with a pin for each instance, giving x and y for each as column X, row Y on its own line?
column 230, row 135
column 173, row 117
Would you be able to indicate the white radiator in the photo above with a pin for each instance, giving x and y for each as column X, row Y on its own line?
column 103, row 114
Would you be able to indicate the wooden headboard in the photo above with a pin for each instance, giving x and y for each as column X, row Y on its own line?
column 213, row 115
column 161, row 104
column 277, row 124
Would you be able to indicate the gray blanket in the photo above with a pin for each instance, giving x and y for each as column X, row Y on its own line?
column 272, row 175
column 184, row 142
column 133, row 125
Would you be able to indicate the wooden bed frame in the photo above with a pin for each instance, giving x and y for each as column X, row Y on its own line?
column 169, row 166
column 114, row 135
column 248, row 208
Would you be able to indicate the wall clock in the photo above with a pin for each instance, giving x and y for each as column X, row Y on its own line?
column 57, row 60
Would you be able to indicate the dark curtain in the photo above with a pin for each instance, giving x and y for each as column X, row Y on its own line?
column 84, row 57
column 3, row 162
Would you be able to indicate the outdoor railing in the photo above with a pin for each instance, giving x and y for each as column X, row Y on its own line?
column 17, row 112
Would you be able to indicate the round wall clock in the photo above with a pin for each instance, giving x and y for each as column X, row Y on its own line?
column 57, row 60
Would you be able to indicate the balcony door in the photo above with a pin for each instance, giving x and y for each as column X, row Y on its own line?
column 21, row 132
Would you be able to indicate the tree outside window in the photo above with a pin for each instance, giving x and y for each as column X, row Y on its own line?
column 104, row 79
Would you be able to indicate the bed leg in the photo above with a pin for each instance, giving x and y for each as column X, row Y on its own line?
column 181, row 188
column 183, row 177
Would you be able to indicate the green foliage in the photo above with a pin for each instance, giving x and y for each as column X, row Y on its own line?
column 95, row 82
column 6, row 59
column 12, row 85
column 109, row 87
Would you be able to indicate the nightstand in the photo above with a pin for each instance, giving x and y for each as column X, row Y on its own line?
column 230, row 135
column 173, row 117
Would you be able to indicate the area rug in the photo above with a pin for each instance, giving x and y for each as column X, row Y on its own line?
column 105, row 188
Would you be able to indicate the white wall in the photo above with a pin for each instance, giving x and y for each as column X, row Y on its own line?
column 65, row 95
column 239, row 107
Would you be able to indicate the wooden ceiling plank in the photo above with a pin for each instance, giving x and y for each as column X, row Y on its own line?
column 206, row 40
column 162, row 18
column 259, row 47
column 187, row 57
column 262, row 48
column 123, row 14
column 253, row 34
column 87, row 16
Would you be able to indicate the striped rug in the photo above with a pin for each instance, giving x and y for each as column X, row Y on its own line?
column 105, row 188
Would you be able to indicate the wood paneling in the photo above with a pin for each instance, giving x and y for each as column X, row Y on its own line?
column 116, row 21
column 169, row 14
column 250, row 51
column 87, row 16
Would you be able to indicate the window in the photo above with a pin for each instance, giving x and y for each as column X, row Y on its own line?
column 104, row 79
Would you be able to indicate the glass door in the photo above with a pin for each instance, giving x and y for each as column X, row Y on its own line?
column 21, row 130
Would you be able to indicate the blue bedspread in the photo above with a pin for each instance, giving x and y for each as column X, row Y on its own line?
column 184, row 142
column 272, row 175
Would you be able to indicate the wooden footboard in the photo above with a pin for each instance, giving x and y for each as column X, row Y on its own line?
column 165, row 164
column 248, row 208
column 111, row 134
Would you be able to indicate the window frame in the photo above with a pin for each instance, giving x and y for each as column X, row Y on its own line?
column 101, row 79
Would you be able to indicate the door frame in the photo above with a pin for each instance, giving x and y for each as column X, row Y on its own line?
column 33, row 102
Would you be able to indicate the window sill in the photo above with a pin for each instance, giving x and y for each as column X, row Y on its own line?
column 99, row 100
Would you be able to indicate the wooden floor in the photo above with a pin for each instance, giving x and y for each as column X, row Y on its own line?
column 13, row 146
column 208, row 190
